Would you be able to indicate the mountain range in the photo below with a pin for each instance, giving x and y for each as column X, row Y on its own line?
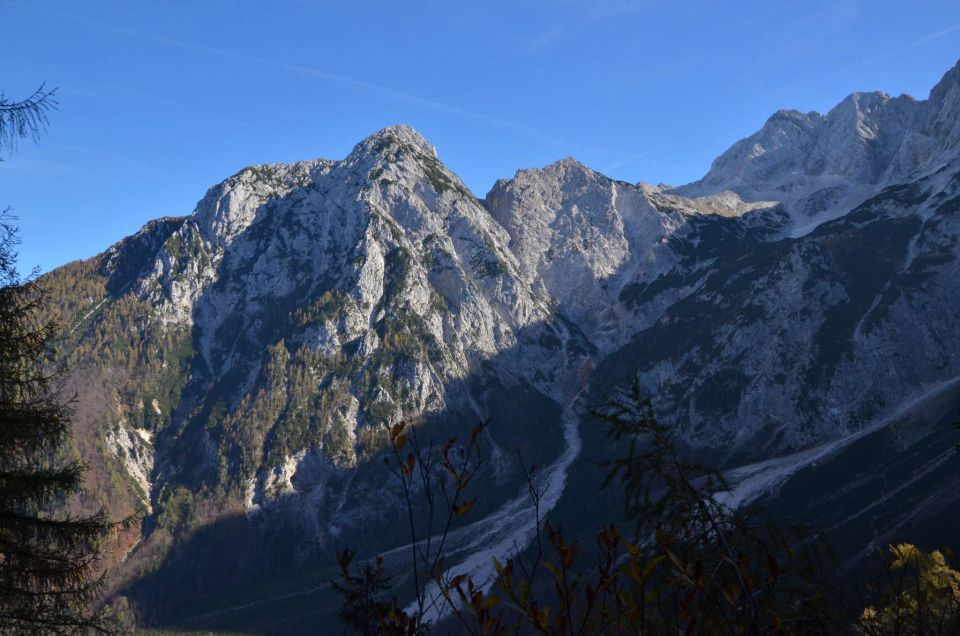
column 793, row 315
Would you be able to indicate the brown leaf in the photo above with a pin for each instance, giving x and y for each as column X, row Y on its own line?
column 774, row 568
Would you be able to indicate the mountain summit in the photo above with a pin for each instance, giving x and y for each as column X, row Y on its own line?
column 819, row 165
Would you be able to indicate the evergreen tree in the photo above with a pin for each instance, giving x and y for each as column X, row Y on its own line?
column 48, row 575
column 25, row 118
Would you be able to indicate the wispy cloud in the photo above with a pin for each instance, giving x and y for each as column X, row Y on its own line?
column 772, row 50
column 930, row 37
column 182, row 107
column 646, row 157
column 111, row 156
column 572, row 15
column 102, row 94
column 28, row 220
column 19, row 164
column 602, row 9
column 371, row 87
column 543, row 39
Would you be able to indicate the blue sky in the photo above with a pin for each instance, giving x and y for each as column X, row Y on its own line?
column 160, row 100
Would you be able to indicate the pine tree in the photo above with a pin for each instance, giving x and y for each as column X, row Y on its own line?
column 48, row 575
column 25, row 118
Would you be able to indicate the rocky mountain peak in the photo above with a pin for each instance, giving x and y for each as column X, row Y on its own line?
column 861, row 102
column 392, row 138
column 817, row 164
column 570, row 165
column 950, row 82
column 789, row 116
column 565, row 173
column 944, row 122
column 578, row 234
column 229, row 207
column 859, row 115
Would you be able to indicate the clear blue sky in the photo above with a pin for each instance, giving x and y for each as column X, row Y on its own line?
column 160, row 100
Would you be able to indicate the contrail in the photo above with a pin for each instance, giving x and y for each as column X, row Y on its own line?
column 930, row 37
column 386, row 91
column 183, row 107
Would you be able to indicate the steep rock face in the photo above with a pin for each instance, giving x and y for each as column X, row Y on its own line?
column 798, row 341
column 581, row 238
column 941, row 121
column 382, row 265
column 573, row 231
column 301, row 230
column 267, row 341
column 820, row 166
